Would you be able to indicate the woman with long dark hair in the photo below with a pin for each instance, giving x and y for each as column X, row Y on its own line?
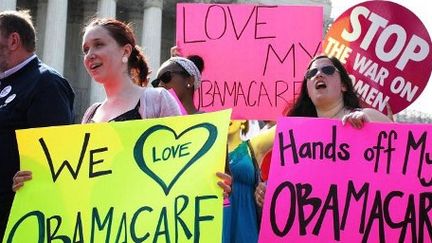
column 327, row 92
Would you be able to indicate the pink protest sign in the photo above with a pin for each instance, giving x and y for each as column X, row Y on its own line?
column 387, row 50
column 255, row 56
column 334, row 183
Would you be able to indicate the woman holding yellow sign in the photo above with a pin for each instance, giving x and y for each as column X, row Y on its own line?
column 113, row 59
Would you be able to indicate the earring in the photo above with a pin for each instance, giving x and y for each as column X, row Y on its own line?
column 188, row 85
column 124, row 59
column 242, row 127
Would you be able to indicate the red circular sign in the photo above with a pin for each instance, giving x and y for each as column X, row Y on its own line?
column 386, row 50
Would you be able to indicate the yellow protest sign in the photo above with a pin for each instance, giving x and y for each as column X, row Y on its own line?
column 131, row 181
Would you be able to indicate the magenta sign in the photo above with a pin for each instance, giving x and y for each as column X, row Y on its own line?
column 386, row 49
column 255, row 55
column 325, row 186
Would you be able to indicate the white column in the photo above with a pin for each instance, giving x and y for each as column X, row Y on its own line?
column 105, row 9
column 55, row 34
column 7, row 5
column 42, row 6
column 152, row 33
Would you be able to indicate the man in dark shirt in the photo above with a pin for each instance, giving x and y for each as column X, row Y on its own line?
column 31, row 95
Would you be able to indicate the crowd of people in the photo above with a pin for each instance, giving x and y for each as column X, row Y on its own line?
column 35, row 95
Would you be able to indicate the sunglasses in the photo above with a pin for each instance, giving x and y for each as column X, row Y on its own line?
column 327, row 70
column 166, row 77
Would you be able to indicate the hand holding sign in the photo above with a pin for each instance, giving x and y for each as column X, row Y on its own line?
column 19, row 178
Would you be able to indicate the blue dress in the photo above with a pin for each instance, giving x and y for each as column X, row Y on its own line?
column 243, row 222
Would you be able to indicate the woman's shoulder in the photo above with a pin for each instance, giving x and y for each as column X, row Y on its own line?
column 153, row 95
column 153, row 91
column 88, row 114
column 240, row 151
column 158, row 102
column 375, row 116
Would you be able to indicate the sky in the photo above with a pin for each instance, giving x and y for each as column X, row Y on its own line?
column 420, row 7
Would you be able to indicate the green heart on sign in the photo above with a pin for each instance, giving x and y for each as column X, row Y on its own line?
column 139, row 156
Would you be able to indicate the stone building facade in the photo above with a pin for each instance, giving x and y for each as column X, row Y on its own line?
column 59, row 32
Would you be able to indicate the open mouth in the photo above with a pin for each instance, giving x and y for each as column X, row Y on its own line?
column 320, row 85
column 94, row 66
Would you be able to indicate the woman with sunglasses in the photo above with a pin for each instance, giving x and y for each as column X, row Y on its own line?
column 183, row 75
column 327, row 91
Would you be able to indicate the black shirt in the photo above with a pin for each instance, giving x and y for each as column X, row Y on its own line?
column 34, row 96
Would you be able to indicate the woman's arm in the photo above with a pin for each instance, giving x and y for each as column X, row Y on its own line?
column 262, row 143
column 358, row 117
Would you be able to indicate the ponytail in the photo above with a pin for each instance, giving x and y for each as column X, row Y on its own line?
column 198, row 61
column 138, row 66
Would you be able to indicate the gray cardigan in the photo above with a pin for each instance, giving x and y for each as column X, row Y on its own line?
column 154, row 103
